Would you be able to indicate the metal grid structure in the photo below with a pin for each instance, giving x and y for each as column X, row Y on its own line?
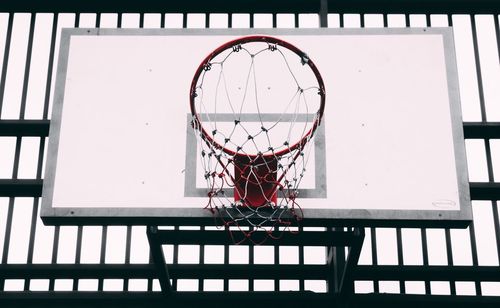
column 111, row 265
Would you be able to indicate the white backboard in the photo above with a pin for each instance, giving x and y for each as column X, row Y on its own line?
column 390, row 149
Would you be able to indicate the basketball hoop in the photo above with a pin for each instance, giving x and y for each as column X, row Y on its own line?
column 256, row 103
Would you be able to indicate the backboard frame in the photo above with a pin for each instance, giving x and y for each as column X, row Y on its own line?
column 200, row 216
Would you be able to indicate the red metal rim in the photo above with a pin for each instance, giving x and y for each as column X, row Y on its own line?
column 243, row 40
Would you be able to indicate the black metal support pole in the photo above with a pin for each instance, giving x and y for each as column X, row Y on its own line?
column 159, row 259
column 346, row 281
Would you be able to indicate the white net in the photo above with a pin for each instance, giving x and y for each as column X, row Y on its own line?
column 256, row 103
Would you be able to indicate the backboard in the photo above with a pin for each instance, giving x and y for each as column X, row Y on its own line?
column 390, row 149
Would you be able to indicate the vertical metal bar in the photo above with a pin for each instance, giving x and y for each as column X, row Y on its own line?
column 301, row 261
column 5, row 65
column 175, row 260
column 323, row 14
column 141, row 20
column 128, row 246
column 98, row 20
column 330, row 257
column 373, row 239
column 425, row 257
column 15, row 169
column 78, row 253
column 27, row 66
column 276, row 263
column 479, row 75
column 201, row 282
column 428, row 19
column 21, row 116
column 449, row 249
column 488, row 153
column 399, row 243
column 48, row 85
column 484, row 118
column 449, row 255
column 55, row 248
column 77, row 19
column 119, row 20
column 252, row 21
column 79, row 233
column 102, row 259
column 8, row 228
column 162, row 20
column 251, row 260
column 275, row 20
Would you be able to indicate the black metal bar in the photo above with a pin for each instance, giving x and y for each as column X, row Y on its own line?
column 425, row 258
column 33, row 188
column 55, row 249
column 48, row 84
column 3, row 77
column 485, row 191
column 312, row 238
column 253, row 6
column 50, row 67
column 237, row 271
column 40, row 128
column 78, row 252
column 159, row 259
column 20, row 188
column 399, row 247
column 427, row 272
column 323, row 13
column 201, row 260
column 449, row 256
column 6, row 242
column 22, row 112
column 373, row 248
column 102, row 260
column 482, row 130
column 243, row 299
column 346, row 283
column 27, row 66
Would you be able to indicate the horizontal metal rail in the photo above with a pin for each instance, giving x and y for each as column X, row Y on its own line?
column 177, row 271
column 24, row 128
column 254, row 6
column 33, row 188
column 40, row 128
column 427, row 273
column 241, row 299
column 247, row 271
column 308, row 238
